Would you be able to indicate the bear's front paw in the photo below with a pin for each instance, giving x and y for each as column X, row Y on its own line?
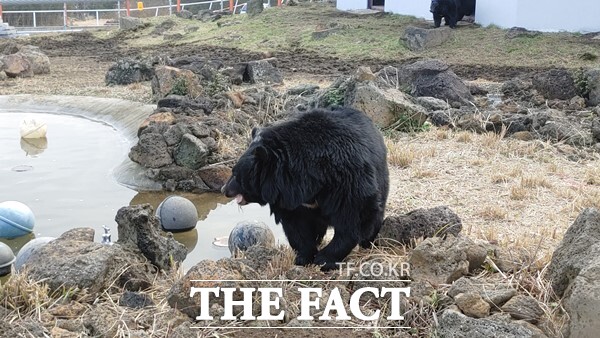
column 303, row 260
column 326, row 263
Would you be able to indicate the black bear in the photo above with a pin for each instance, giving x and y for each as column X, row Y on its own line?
column 319, row 169
column 451, row 10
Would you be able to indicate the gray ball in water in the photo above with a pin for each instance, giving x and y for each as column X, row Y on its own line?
column 177, row 214
column 6, row 259
column 246, row 234
column 28, row 249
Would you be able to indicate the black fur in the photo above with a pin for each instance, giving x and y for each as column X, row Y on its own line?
column 451, row 10
column 322, row 168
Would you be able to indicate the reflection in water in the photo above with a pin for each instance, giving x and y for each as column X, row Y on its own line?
column 17, row 243
column 204, row 203
column 34, row 146
column 187, row 238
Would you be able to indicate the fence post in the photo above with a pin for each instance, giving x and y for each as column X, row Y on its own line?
column 231, row 6
column 279, row 3
column 170, row 7
column 1, row 13
column 119, row 12
column 127, row 7
column 65, row 15
column 178, row 6
column 97, row 18
column 34, row 21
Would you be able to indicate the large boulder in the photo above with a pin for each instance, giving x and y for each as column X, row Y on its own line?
column 385, row 106
column 263, row 71
column 454, row 324
column 16, row 65
column 427, row 78
column 582, row 302
column 74, row 261
column 557, row 126
column 127, row 71
column 169, row 80
column 421, row 223
column 151, row 151
column 139, row 230
column 254, row 7
column 40, row 63
column 592, row 77
column 129, row 23
column 579, row 248
column 442, row 261
column 555, row 84
column 191, row 152
column 418, row 39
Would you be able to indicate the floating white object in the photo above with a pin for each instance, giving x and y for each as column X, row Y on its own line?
column 33, row 128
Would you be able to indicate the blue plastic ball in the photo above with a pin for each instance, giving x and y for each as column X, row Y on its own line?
column 16, row 219
column 6, row 259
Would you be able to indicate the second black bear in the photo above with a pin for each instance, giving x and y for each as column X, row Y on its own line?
column 451, row 10
column 320, row 169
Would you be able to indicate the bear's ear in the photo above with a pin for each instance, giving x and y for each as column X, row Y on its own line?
column 261, row 153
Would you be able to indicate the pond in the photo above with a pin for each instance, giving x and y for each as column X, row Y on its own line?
column 68, row 181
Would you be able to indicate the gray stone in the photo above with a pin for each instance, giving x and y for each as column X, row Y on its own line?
column 250, row 233
column 427, row 78
column 3, row 75
column 191, row 152
column 127, row 71
column 135, row 300
column 418, row 39
column 472, row 305
column 185, row 14
column 556, row 126
column 67, row 263
column 494, row 294
column 174, row 133
column 582, row 302
column 555, row 84
column 322, row 34
column 577, row 250
column 151, row 151
column 524, row 308
column 207, row 15
column 421, row 223
column 517, row 32
column 254, row 7
column 593, row 79
column 307, row 89
column 130, row 23
column 28, row 250
column 263, row 71
column 456, row 325
column 40, row 63
column 432, row 103
column 442, row 261
column 170, row 80
column 139, row 230
column 16, row 65
column 596, row 129
column 385, row 106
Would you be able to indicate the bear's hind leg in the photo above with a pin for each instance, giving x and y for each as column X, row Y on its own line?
column 373, row 223
column 437, row 20
column 304, row 230
column 344, row 240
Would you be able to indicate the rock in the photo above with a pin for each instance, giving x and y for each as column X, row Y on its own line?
column 555, row 84
column 525, row 308
column 206, row 270
column 517, row 32
column 191, row 152
column 129, row 23
column 105, row 321
column 29, row 249
column 9, row 46
column 135, row 300
column 169, row 80
column 494, row 294
column 456, row 325
column 593, row 80
column 418, row 39
column 385, row 106
column 70, row 310
column 254, row 7
column 307, row 89
column 431, row 103
column 235, row 73
column 215, row 176
column 27, row 327
column 262, row 71
column 163, row 118
column 139, row 230
column 322, row 34
column 582, row 302
column 427, row 78
column 3, row 75
column 185, row 14
column 577, row 250
column 151, row 151
column 555, row 125
column 363, row 74
column 16, row 65
column 442, row 261
column 471, row 304
column 127, row 71
column 596, row 129
column 40, row 63
column 71, row 263
column 187, row 105
column 421, row 223
column 247, row 234
column 517, row 89
column 207, row 15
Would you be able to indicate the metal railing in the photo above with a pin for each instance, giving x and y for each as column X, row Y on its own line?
column 218, row 4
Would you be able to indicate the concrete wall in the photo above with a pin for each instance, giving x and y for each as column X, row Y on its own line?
column 418, row 8
column 542, row 15
column 346, row 5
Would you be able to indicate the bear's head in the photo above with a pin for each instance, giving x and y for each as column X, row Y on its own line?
column 249, row 174
column 437, row 6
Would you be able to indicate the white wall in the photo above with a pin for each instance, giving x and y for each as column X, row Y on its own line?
column 542, row 15
column 346, row 5
column 418, row 8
